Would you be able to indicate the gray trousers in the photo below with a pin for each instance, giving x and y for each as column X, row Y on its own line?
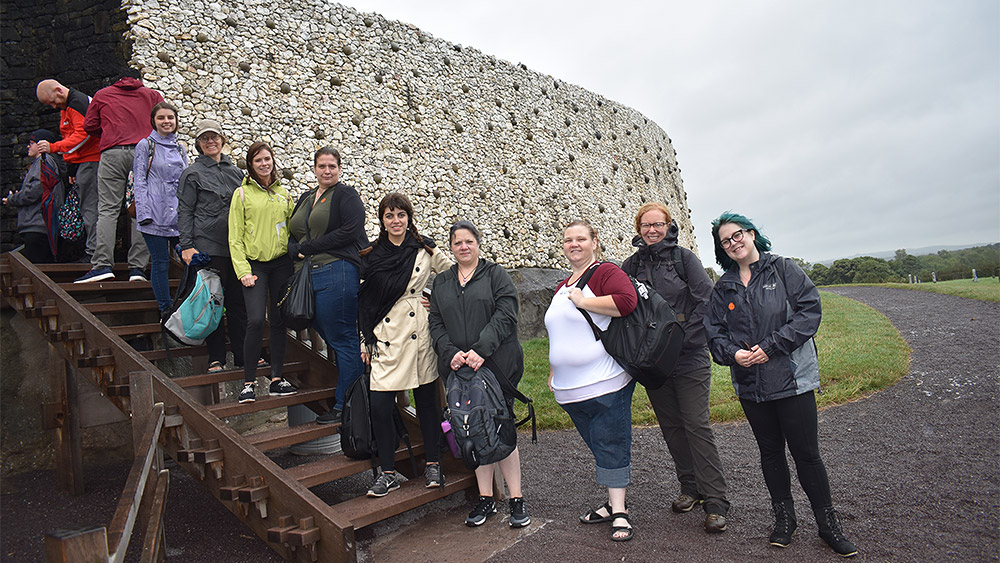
column 86, row 187
column 681, row 408
column 112, row 178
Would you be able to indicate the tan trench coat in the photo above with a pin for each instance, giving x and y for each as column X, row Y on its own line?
column 405, row 358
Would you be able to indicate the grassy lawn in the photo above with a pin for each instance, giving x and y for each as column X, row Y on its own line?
column 859, row 352
column 986, row 289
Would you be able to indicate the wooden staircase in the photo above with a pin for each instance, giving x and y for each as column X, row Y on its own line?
column 88, row 324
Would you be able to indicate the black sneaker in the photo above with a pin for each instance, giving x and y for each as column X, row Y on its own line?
column 483, row 510
column 96, row 275
column 518, row 514
column 432, row 473
column 248, row 395
column 281, row 388
column 384, row 483
column 136, row 275
column 329, row 417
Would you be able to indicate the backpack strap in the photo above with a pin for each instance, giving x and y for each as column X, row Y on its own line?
column 152, row 149
column 679, row 267
column 581, row 283
column 509, row 388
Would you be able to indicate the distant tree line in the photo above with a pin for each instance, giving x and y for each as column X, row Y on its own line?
column 947, row 264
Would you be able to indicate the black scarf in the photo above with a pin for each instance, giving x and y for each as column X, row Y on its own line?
column 386, row 271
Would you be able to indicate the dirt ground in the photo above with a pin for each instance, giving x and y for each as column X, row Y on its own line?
column 914, row 472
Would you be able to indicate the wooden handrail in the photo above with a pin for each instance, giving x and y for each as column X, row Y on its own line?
column 120, row 530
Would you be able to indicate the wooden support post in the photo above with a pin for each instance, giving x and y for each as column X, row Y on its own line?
column 70, row 546
column 69, row 446
column 141, row 394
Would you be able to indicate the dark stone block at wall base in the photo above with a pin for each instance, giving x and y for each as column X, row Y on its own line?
column 535, row 287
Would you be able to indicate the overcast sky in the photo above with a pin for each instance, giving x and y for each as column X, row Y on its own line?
column 839, row 127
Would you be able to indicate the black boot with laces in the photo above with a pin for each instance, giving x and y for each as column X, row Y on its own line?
column 829, row 529
column 784, row 523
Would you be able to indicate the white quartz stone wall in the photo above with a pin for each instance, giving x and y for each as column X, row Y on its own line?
column 465, row 135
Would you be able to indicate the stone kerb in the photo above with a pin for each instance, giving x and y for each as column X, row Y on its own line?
column 464, row 134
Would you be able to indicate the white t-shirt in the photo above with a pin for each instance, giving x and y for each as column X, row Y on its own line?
column 581, row 368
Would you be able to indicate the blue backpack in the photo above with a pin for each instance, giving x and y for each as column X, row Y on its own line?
column 197, row 310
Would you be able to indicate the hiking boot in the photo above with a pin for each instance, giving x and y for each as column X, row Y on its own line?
column 784, row 523
column 483, row 510
column 96, row 275
column 828, row 522
column 280, row 387
column 329, row 417
column 685, row 503
column 384, row 483
column 135, row 274
column 518, row 513
column 715, row 523
column 432, row 473
column 248, row 394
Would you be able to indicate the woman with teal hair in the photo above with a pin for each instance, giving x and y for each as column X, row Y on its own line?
column 763, row 314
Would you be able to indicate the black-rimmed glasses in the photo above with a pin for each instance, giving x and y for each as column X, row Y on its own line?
column 737, row 237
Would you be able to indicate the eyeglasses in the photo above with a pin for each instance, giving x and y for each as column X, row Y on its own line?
column 646, row 226
column 209, row 137
column 737, row 237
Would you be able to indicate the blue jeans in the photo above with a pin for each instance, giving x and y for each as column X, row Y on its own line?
column 159, row 268
column 605, row 423
column 336, row 288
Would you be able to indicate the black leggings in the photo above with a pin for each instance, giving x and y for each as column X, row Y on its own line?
column 791, row 420
column 268, row 289
column 382, row 403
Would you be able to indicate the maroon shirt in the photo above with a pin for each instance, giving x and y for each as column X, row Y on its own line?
column 120, row 113
column 609, row 279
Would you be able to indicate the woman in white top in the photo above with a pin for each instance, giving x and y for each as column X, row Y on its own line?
column 587, row 382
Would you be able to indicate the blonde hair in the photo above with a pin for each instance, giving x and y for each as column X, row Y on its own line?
column 593, row 234
column 651, row 206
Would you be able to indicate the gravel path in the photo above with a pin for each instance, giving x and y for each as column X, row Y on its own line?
column 913, row 469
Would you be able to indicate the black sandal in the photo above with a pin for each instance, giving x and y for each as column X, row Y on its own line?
column 593, row 517
column 216, row 367
column 616, row 529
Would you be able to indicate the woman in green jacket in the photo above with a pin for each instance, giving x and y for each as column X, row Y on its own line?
column 258, row 242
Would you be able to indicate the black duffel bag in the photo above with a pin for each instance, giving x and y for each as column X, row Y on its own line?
column 298, row 306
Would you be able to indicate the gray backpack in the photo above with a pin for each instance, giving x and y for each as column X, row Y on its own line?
column 480, row 418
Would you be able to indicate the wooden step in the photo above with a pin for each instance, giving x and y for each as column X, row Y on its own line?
column 340, row 466
column 109, row 286
column 363, row 511
column 292, row 435
column 77, row 268
column 265, row 402
column 232, row 374
column 122, row 306
column 136, row 330
column 182, row 351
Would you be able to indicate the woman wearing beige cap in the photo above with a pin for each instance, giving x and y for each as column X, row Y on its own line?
column 204, row 194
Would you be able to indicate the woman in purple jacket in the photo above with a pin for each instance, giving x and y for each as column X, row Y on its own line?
column 159, row 161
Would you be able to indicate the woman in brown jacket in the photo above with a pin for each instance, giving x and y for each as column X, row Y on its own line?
column 395, row 335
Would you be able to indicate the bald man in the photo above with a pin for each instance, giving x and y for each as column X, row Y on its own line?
column 78, row 148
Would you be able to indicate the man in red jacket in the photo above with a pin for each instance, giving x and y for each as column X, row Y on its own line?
column 120, row 115
column 78, row 148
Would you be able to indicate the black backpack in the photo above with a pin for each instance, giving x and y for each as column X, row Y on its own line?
column 647, row 342
column 483, row 425
column 357, row 439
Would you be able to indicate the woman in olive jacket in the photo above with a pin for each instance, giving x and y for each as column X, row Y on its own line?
column 762, row 317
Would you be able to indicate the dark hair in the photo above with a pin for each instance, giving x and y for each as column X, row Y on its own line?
column 396, row 200
column 760, row 241
column 327, row 150
column 255, row 148
column 467, row 225
column 593, row 233
column 158, row 107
